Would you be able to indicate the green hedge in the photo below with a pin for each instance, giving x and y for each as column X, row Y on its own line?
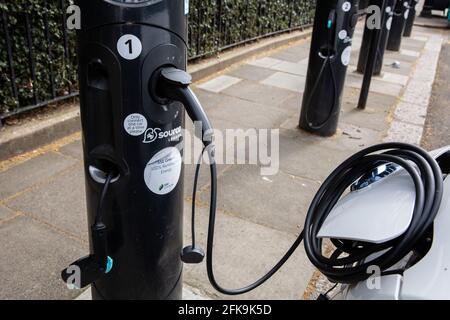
column 214, row 25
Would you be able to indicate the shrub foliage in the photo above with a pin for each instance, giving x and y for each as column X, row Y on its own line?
column 213, row 26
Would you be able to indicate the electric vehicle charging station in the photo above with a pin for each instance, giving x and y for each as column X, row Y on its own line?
column 411, row 18
column 134, row 91
column 401, row 15
column 331, row 47
column 132, row 57
column 368, row 34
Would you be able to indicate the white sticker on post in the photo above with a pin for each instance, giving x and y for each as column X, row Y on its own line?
column 406, row 14
column 389, row 23
column 186, row 7
column 135, row 124
column 129, row 47
column 342, row 34
column 162, row 173
column 346, row 6
column 346, row 54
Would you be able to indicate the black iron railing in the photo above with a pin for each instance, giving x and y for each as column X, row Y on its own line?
column 37, row 51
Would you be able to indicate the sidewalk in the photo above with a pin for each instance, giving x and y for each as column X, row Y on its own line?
column 42, row 208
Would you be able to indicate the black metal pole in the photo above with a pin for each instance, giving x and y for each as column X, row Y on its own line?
column 427, row 9
column 411, row 18
column 401, row 14
column 331, row 45
column 370, row 65
column 367, row 37
column 129, row 135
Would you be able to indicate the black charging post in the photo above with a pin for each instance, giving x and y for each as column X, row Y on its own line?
column 331, row 46
column 369, row 31
column 132, row 57
column 411, row 18
column 401, row 14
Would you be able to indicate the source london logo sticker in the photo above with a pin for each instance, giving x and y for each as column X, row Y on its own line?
column 153, row 134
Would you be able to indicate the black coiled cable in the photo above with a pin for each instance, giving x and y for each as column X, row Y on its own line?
column 358, row 256
column 351, row 268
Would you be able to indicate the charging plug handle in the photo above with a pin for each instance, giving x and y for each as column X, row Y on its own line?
column 173, row 84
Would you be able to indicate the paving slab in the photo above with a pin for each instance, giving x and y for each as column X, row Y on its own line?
column 291, row 56
column 306, row 158
column 259, row 93
column 36, row 170
column 286, row 81
column 370, row 118
column 5, row 213
column 33, row 256
column 277, row 201
column 244, row 251
column 74, row 150
column 298, row 68
column 219, row 83
column 250, row 72
column 404, row 132
column 65, row 193
column 247, row 114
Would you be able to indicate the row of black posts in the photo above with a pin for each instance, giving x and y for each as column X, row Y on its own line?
column 387, row 21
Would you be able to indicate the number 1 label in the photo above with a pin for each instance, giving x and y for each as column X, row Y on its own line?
column 129, row 47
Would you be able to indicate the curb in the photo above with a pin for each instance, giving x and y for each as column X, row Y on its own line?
column 29, row 137
column 26, row 138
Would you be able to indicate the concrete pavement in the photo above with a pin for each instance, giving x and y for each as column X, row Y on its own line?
column 42, row 208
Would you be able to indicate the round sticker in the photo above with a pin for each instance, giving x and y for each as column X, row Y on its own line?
column 389, row 23
column 135, row 124
column 342, row 34
column 406, row 14
column 345, row 57
column 163, row 171
column 346, row 6
column 129, row 47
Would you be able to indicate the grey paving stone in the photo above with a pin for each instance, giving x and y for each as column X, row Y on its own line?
column 355, row 80
column 60, row 203
column 31, row 172
column 404, row 132
column 219, row 83
column 377, row 102
column 393, row 78
column 368, row 118
column 250, row 72
column 33, row 256
column 248, row 114
column 244, row 251
column 74, row 149
column 411, row 113
column 259, row 93
column 5, row 213
column 396, row 55
column 302, row 50
column 298, row 68
column 405, row 67
column 278, row 201
column 204, row 178
column 209, row 100
column 291, row 56
column 303, row 156
column 293, row 104
column 286, row 81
